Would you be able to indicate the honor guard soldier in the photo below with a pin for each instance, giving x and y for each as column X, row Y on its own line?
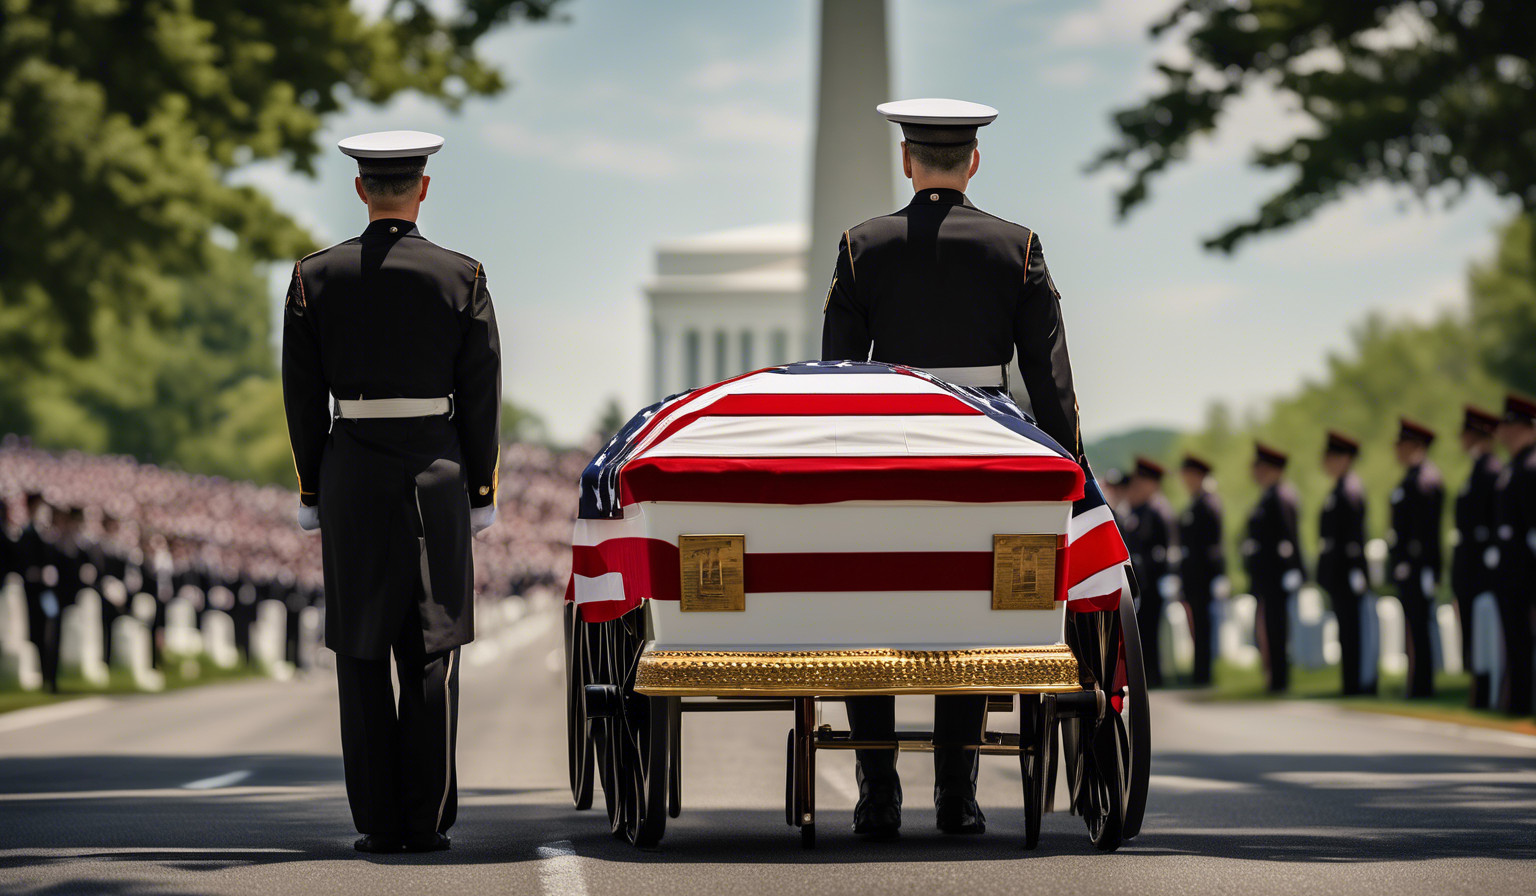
column 1341, row 566
column 1474, row 559
column 1150, row 537
column 1113, row 483
column 944, row 286
column 402, row 333
column 1516, row 533
column 1418, row 503
column 1202, row 562
column 1272, row 559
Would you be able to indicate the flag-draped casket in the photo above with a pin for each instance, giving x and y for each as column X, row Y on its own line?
column 848, row 505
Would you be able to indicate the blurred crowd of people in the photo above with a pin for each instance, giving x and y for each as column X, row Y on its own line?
column 70, row 521
column 1492, row 564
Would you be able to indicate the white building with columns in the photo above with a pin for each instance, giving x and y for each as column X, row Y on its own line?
column 725, row 303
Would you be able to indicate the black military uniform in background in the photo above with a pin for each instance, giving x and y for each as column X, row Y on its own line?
column 1475, row 556
column 1342, row 570
column 1516, row 578
column 1418, row 503
column 1151, row 538
column 1202, row 563
column 1272, row 559
column 390, row 315
column 941, row 284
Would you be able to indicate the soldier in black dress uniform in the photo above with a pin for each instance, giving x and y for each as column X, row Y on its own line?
column 1516, row 532
column 1202, row 561
column 1418, row 503
column 1475, row 557
column 1341, row 566
column 1272, row 559
column 1151, row 539
column 944, row 286
column 402, row 333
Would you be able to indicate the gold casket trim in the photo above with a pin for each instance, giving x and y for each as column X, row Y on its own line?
column 822, row 673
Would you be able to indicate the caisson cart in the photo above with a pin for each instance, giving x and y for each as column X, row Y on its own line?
column 806, row 534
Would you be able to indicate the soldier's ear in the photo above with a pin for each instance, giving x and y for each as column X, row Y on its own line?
column 906, row 161
column 975, row 162
column 358, row 183
column 426, row 180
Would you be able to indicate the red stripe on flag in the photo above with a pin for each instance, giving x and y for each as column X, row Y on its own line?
column 826, row 480
column 1094, row 551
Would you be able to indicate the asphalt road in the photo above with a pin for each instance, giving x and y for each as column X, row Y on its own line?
column 237, row 789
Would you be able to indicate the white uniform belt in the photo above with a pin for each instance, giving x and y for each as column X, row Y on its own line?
column 976, row 377
column 366, row 408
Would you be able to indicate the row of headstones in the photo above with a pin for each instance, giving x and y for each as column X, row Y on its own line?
column 1314, row 634
column 189, row 638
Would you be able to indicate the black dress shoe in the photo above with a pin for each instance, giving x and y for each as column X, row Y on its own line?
column 877, row 815
column 959, row 814
column 954, row 791
column 377, row 843
column 433, row 842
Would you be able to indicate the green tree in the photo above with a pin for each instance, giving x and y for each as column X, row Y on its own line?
column 1433, row 95
column 132, row 297
column 519, row 424
column 1503, row 293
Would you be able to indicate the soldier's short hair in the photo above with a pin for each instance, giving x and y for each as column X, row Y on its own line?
column 941, row 157
column 392, row 178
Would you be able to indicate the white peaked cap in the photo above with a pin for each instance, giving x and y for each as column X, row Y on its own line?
column 391, row 145
column 938, row 112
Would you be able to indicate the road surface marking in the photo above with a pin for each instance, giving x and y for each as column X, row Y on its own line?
column 42, row 715
column 560, row 869
column 214, row 783
column 1183, row 784
column 174, row 792
column 1407, row 782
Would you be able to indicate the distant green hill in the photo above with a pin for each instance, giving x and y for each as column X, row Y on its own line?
column 1119, row 449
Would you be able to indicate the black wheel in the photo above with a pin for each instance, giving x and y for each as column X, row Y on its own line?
column 1136, row 718
column 675, row 765
column 791, row 805
column 1037, row 748
column 579, row 750
column 1096, row 750
column 640, row 748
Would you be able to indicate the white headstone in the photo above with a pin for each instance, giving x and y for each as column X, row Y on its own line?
column 81, row 639
column 1451, row 659
column 219, row 639
column 1488, row 640
column 1236, row 637
column 1394, row 655
column 131, row 652
column 1376, row 559
column 13, row 610
column 311, row 636
column 19, row 666
column 1180, row 652
column 1307, row 618
column 1333, row 652
column 269, row 639
column 182, row 637
column 143, row 608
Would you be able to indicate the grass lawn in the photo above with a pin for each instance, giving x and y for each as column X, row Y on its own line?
column 1448, row 704
column 178, row 674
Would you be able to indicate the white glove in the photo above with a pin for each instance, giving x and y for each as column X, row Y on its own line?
column 1357, row 581
column 1292, row 580
column 309, row 517
column 1168, row 587
column 1221, row 588
column 1427, row 579
column 481, row 518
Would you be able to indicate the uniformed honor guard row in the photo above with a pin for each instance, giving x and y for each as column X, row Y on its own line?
column 1491, row 568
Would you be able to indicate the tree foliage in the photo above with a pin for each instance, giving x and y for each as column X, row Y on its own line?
column 1433, row 95
column 132, row 298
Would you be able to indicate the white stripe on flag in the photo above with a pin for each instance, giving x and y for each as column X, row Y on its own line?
column 1087, row 521
column 591, row 533
column 1100, row 583
column 599, row 589
column 835, row 384
column 846, row 435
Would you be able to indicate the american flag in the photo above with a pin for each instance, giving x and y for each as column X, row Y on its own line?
column 822, row 433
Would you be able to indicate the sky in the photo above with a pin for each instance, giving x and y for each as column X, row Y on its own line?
column 631, row 124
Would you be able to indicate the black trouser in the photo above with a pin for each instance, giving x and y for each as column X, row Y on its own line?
column 1347, row 608
column 957, row 722
column 1149, row 616
column 1479, row 697
column 1199, row 610
column 1418, row 616
column 401, row 775
column 1274, row 625
column 1515, row 616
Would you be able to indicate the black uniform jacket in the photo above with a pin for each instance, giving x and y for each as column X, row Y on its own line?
column 941, row 283
column 1475, row 557
column 1418, row 503
column 1149, row 536
column 1201, row 558
column 1516, row 517
column 1272, row 547
column 391, row 315
column 1341, row 539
